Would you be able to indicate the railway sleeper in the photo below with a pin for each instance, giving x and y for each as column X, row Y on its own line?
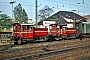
column 49, row 53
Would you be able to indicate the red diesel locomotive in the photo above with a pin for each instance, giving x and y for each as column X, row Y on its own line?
column 26, row 32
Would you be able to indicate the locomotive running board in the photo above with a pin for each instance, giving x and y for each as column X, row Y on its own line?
column 39, row 40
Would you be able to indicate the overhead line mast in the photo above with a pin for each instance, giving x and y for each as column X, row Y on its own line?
column 83, row 1
column 36, row 12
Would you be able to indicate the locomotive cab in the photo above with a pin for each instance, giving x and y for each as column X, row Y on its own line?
column 21, row 32
column 61, row 31
column 68, row 33
column 57, row 30
column 28, row 33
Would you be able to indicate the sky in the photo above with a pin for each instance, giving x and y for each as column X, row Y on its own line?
column 82, row 6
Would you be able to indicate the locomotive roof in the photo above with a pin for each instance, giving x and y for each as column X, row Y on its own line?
column 26, row 24
column 22, row 24
column 58, row 24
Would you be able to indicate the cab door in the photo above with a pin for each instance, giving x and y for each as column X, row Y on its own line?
column 30, row 33
column 24, row 32
column 64, row 31
column 16, row 30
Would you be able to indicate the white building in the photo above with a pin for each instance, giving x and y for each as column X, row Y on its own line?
column 30, row 21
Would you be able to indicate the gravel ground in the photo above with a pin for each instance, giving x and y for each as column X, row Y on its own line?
column 36, row 50
column 71, row 56
column 39, row 44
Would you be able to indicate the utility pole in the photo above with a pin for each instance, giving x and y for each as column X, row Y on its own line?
column 74, row 22
column 12, row 2
column 0, row 11
column 83, row 1
column 36, row 11
column 60, row 17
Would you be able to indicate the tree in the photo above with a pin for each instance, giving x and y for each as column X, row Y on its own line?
column 5, row 21
column 53, row 17
column 19, row 14
column 45, row 12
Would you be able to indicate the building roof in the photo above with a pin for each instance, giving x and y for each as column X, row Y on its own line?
column 87, row 17
column 65, row 17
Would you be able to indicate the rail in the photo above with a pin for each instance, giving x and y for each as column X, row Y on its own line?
column 47, row 54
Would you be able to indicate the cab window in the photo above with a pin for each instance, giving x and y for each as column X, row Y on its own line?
column 14, row 27
column 51, row 27
column 19, row 27
column 24, row 29
column 64, row 27
column 29, row 27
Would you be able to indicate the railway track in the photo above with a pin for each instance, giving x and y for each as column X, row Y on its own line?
column 4, row 48
column 12, row 54
column 9, row 47
column 47, row 54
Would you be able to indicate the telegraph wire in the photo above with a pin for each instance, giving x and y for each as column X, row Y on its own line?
column 5, row 2
column 57, row 3
column 20, row 3
column 69, row 3
column 27, row 5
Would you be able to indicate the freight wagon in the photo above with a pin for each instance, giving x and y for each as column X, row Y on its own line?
column 84, row 27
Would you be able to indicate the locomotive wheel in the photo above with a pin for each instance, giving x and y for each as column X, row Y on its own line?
column 19, row 42
column 68, row 36
column 49, row 38
column 45, row 38
column 57, row 39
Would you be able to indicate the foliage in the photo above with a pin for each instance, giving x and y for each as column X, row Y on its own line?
column 53, row 17
column 19, row 14
column 5, row 21
column 45, row 12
